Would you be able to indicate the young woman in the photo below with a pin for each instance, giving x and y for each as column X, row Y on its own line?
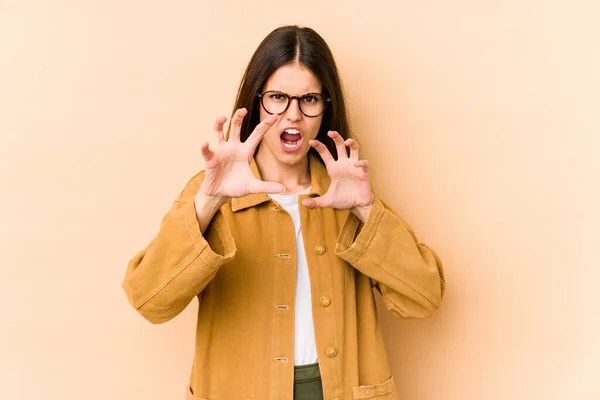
column 282, row 240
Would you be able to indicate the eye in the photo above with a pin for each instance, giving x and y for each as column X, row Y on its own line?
column 310, row 99
column 277, row 96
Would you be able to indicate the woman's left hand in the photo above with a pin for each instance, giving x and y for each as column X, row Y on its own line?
column 350, row 188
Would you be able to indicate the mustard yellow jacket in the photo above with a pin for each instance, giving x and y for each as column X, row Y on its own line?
column 243, row 272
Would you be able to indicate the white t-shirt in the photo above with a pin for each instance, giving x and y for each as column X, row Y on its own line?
column 305, row 348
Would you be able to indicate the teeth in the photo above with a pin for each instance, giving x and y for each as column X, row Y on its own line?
column 289, row 146
column 292, row 131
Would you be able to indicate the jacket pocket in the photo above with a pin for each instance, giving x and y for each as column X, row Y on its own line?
column 381, row 391
column 190, row 395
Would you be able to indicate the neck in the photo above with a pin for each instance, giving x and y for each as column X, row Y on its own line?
column 295, row 177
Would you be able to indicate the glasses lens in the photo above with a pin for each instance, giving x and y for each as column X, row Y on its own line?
column 275, row 102
column 312, row 104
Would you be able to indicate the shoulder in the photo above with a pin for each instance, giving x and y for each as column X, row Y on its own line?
column 191, row 188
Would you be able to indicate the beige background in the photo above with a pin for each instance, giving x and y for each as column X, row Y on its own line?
column 480, row 119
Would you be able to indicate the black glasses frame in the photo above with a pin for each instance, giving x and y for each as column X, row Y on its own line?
column 261, row 96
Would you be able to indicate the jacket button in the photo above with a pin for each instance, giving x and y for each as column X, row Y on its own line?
column 325, row 301
column 320, row 250
column 331, row 351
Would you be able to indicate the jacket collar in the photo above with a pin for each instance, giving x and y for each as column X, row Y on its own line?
column 319, row 182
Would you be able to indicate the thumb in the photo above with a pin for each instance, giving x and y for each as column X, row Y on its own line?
column 273, row 187
column 315, row 202
column 267, row 187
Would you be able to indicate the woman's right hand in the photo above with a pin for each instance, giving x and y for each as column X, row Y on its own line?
column 228, row 173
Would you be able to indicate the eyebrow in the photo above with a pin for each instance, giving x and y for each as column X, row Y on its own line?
column 282, row 91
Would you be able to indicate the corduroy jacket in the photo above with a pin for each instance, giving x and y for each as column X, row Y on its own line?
column 242, row 270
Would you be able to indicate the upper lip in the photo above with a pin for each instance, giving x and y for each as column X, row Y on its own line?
column 292, row 127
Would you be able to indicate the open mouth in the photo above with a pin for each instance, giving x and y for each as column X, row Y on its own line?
column 291, row 139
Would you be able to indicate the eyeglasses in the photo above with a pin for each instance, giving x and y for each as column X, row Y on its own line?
column 310, row 104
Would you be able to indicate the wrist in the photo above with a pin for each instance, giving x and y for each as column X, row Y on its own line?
column 363, row 212
column 206, row 207
column 204, row 200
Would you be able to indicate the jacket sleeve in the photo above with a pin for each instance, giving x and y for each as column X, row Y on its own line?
column 408, row 274
column 162, row 279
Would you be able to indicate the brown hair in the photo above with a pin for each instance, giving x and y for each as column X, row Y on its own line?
column 284, row 46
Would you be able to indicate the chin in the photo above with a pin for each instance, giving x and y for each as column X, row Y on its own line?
column 292, row 158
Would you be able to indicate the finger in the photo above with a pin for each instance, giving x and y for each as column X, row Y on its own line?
column 258, row 186
column 364, row 164
column 339, row 144
column 353, row 149
column 323, row 151
column 219, row 129
column 236, row 123
column 207, row 153
column 315, row 202
column 261, row 129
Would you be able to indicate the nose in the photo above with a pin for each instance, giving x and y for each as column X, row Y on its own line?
column 293, row 112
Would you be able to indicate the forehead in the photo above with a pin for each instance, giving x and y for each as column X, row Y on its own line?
column 293, row 79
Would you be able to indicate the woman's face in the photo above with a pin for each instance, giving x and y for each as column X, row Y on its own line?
column 287, row 140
